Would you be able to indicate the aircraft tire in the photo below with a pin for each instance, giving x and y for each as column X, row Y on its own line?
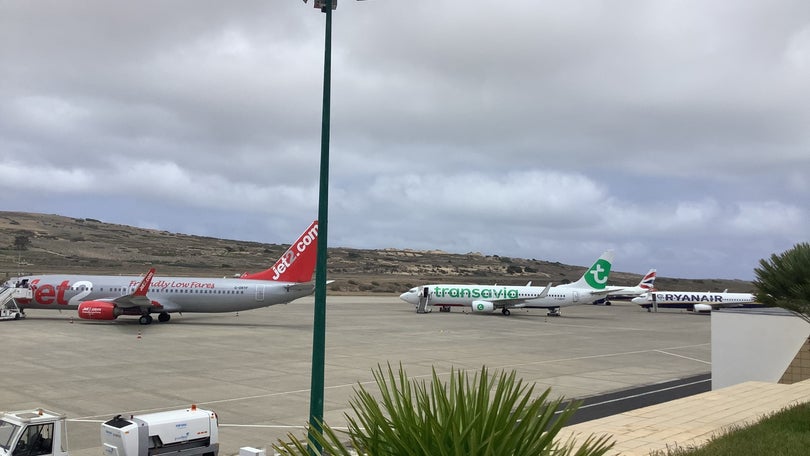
column 506, row 312
column 145, row 320
column 163, row 317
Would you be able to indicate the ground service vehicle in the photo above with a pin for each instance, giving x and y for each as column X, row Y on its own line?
column 33, row 433
column 41, row 432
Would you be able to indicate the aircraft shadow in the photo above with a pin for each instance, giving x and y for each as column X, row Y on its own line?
column 185, row 321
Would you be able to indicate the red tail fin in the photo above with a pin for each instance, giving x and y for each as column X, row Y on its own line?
column 143, row 287
column 298, row 262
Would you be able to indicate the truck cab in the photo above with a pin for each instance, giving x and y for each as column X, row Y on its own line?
column 36, row 432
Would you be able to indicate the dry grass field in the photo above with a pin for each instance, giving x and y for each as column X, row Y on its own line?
column 58, row 244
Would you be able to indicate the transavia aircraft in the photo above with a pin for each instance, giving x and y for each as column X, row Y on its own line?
column 488, row 298
column 694, row 300
column 107, row 297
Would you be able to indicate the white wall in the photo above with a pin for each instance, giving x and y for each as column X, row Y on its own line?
column 754, row 344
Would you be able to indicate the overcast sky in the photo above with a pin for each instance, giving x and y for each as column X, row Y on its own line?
column 676, row 132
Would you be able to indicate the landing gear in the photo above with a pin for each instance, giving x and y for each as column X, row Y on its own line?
column 554, row 312
column 506, row 311
column 444, row 309
column 163, row 317
column 607, row 303
column 145, row 320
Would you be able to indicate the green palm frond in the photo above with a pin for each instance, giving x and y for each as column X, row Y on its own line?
column 482, row 414
column 784, row 280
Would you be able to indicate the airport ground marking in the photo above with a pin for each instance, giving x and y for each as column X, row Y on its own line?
column 93, row 418
column 603, row 355
column 684, row 357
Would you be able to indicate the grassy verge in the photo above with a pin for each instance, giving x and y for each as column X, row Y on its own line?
column 785, row 433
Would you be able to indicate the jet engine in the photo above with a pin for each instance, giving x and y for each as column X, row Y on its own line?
column 482, row 306
column 98, row 310
column 702, row 308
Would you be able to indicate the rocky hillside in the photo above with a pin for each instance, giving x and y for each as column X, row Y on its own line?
column 41, row 243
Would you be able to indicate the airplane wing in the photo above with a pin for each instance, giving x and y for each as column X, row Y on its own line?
column 506, row 302
column 303, row 286
column 613, row 289
column 138, row 297
column 601, row 292
column 306, row 286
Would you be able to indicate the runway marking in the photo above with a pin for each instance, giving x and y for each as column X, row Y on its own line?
column 371, row 382
column 597, row 327
column 606, row 355
column 684, row 357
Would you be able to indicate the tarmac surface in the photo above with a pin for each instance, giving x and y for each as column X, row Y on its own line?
column 253, row 368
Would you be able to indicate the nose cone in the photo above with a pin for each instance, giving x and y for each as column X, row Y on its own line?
column 409, row 297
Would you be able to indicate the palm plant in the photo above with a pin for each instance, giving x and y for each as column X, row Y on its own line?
column 485, row 415
column 784, row 280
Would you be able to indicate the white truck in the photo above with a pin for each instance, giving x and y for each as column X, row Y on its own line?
column 186, row 432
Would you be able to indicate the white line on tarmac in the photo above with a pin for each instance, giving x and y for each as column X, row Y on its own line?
column 371, row 382
column 684, row 357
column 623, row 398
column 604, row 355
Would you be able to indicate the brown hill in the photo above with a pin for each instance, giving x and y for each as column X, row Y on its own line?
column 42, row 243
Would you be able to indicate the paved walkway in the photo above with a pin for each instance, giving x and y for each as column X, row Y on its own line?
column 693, row 420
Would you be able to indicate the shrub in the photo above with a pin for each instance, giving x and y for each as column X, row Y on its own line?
column 784, row 280
column 485, row 415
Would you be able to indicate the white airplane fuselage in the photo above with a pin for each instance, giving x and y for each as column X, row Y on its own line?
column 628, row 292
column 487, row 298
column 174, row 294
column 690, row 299
column 515, row 297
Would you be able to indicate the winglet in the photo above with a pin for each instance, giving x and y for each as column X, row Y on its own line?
column 143, row 287
column 544, row 293
column 297, row 264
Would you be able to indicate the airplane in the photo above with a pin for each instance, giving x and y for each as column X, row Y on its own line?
column 104, row 297
column 694, row 300
column 646, row 284
column 488, row 298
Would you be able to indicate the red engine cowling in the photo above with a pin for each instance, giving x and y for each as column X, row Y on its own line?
column 98, row 310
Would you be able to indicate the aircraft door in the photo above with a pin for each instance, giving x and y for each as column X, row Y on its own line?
column 260, row 292
column 574, row 296
column 423, row 305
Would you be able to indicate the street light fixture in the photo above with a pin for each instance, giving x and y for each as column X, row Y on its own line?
column 321, row 4
column 319, row 322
